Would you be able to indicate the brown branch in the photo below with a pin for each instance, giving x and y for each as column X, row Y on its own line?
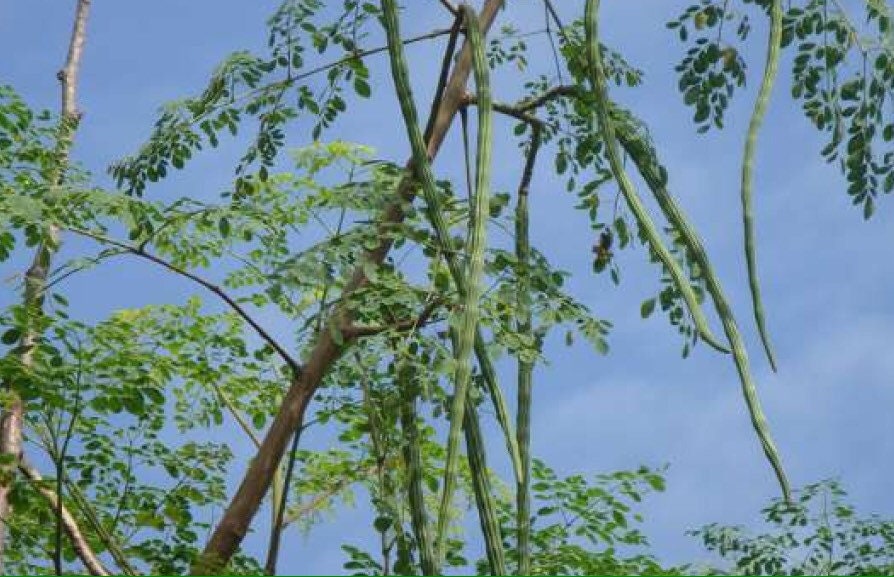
column 355, row 331
column 236, row 520
column 505, row 109
column 446, row 61
column 78, row 541
column 553, row 13
column 12, row 417
column 237, row 308
column 559, row 91
column 522, row 110
column 450, row 8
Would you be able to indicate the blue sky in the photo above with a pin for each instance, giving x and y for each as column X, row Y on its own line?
column 827, row 283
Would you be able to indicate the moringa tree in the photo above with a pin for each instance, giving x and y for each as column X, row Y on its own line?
column 396, row 306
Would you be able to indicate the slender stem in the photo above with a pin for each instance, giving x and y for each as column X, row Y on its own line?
column 450, row 7
column 276, row 532
column 237, row 308
column 108, row 539
column 444, row 75
column 487, row 511
column 240, row 420
column 59, row 458
column 415, row 472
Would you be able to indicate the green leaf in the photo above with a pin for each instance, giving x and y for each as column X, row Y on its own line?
column 382, row 524
column 11, row 336
column 647, row 308
column 361, row 87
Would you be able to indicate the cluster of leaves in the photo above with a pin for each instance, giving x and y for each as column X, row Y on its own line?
column 842, row 74
column 843, row 79
column 584, row 527
column 509, row 47
column 818, row 534
column 550, row 307
column 712, row 68
column 27, row 161
column 246, row 85
column 114, row 390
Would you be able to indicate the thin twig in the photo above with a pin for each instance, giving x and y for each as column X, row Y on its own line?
column 450, row 7
column 318, row 500
column 293, row 364
column 286, row 82
column 446, row 60
column 424, row 318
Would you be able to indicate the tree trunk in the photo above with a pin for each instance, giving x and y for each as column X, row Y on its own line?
column 12, row 418
column 244, row 505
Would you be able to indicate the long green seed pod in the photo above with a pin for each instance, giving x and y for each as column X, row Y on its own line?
column 469, row 291
column 413, row 457
column 774, row 47
column 603, row 107
column 487, row 512
column 525, row 368
column 647, row 164
column 436, row 218
column 477, row 238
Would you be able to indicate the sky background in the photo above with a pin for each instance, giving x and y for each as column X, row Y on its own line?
column 827, row 277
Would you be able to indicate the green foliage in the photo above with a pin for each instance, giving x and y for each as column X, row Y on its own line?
column 587, row 527
column 818, row 534
column 840, row 74
column 153, row 395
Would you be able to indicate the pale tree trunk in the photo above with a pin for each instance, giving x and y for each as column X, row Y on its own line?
column 12, row 418
column 234, row 524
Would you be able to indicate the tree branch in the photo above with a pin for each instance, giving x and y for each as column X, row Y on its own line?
column 109, row 540
column 318, row 500
column 78, row 541
column 13, row 415
column 237, row 308
column 450, row 8
column 235, row 522
column 286, row 82
column 355, row 331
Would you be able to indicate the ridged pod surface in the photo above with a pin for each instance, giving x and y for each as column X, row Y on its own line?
column 600, row 89
column 415, row 475
column 467, row 280
column 647, row 164
column 774, row 47
column 525, row 368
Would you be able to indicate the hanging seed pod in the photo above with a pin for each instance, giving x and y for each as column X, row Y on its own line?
column 467, row 280
column 774, row 46
column 653, row 174
column 600, row 88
